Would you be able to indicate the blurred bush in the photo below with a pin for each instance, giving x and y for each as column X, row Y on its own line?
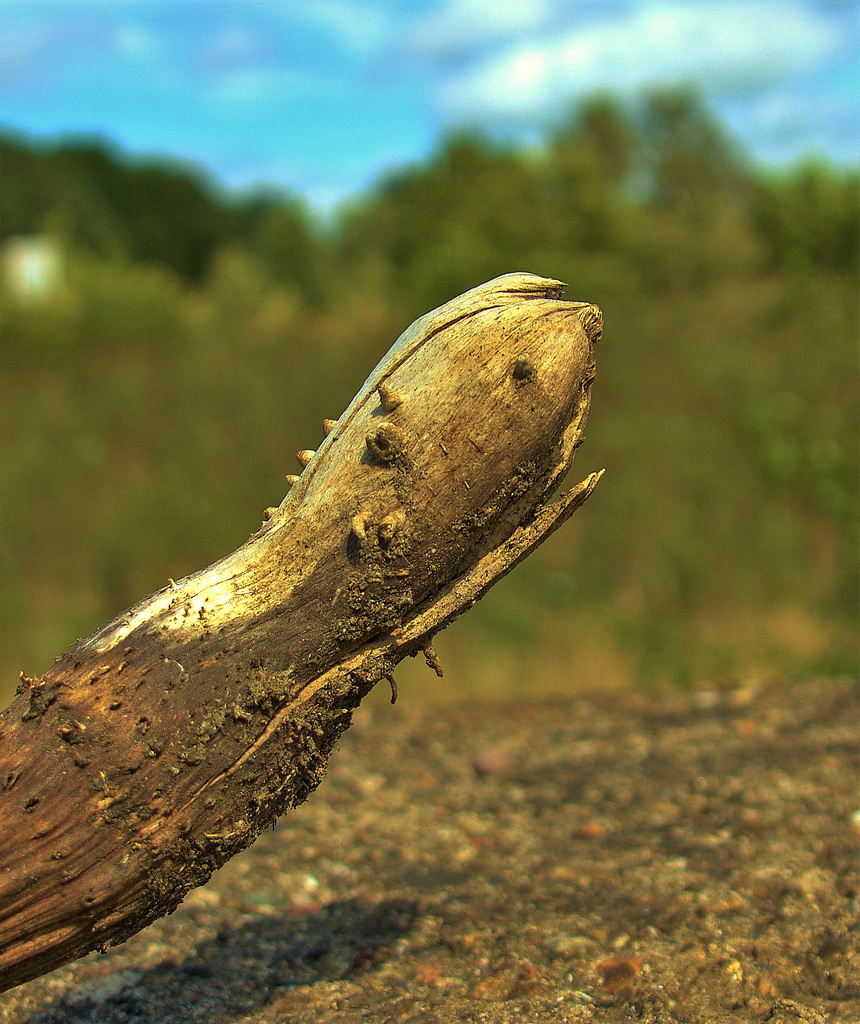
column 150, row 405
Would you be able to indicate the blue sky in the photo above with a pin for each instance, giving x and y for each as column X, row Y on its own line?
column 324, row 97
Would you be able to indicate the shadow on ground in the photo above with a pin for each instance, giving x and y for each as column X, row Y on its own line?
column 243, row 968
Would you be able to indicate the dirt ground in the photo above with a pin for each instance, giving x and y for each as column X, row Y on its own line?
column 658, row 858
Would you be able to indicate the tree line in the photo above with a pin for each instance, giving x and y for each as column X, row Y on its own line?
column 200, row 336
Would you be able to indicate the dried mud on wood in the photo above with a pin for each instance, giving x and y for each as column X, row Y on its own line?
column 665, row 858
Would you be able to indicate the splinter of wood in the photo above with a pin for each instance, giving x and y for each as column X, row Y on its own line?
column 163, row 744
column 432, row 659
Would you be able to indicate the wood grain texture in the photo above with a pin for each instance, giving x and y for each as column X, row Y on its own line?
column 163, row 744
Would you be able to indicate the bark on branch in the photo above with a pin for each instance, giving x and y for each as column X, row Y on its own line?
column 166, row 742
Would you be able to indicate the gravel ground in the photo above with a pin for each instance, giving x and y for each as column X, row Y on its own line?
column 657, row 858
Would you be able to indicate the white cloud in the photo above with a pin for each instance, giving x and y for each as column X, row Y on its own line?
column 234, row 44
column 727, row 47
column 361, row 27
column 234, row 67
column 258, row 85
column 19, row 56
column 135, row 42
column 24, row 37
column 460, row 24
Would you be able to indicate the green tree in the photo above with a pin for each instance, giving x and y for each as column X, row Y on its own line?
column 810, row 216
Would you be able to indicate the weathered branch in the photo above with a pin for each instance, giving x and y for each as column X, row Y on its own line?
column 165, row 743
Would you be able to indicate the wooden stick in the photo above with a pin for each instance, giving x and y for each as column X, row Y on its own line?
column 166, row 742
